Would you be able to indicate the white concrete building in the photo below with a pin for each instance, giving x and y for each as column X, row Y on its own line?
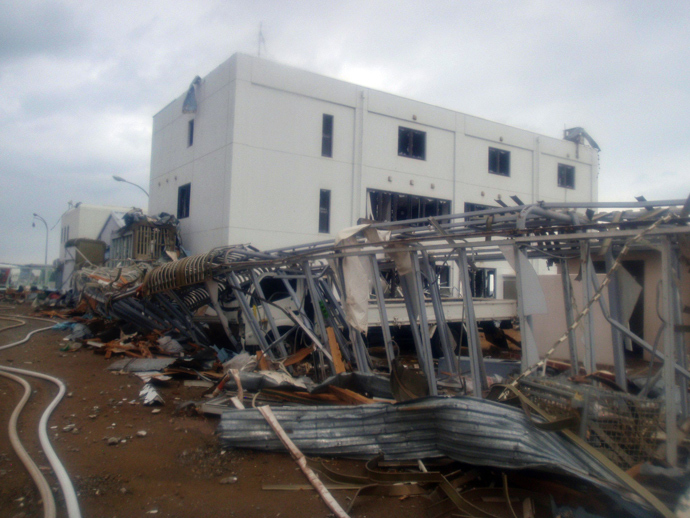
column 84, row 221
column 275, row 156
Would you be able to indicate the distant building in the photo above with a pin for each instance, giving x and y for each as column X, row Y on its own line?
column 262, row 153
column 83, row 222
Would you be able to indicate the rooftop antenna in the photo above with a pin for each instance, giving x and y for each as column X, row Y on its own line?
column 261, row 38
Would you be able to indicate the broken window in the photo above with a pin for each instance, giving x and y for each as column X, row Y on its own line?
column 483, row 283
column 190, row 133
column 327, row 136
column 566, row 176
column 184, row 193
column 474, row 207
column 392, row 206
column 499, row 161
column 411, row 143
column 325, row 211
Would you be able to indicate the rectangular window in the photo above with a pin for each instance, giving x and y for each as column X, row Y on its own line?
column 566, row 176
column 190, row 133
column 474, row 207
column 327, row 136
column 411, row 143
column 499, row 161
column 184, row 194
column 392, row 206
column 325, row 211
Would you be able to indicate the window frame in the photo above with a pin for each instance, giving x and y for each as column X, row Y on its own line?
column 411, row 148
column 324, row 211
column 499, row 153
column 563, row 176
column 327, row 126
column 388, row 205
column 190, row 133
column 184, row 202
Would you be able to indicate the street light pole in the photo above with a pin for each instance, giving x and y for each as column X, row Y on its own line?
column 120, row 179
column 45, row 271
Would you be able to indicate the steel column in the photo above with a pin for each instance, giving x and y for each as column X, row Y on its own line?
column 267, row 311
column 616, row 336
column 385, row 327
column 476, row 358
column 449, row 363
column 670, row 385
column 249, row 315
column 569, row 316
column 588, row 320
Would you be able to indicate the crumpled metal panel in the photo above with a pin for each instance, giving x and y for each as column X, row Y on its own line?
column 479, row 432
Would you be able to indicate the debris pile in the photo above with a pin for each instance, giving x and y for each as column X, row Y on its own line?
column 358, row 353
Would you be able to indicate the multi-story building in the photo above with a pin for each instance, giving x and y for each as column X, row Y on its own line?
column 262, row 153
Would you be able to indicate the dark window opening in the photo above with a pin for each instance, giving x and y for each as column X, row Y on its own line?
column 474, row 207
column 190, row 133
column 483, row 283
column 411, row 143
column 392, row 206
column 566, row 176
column 325, row 211
column 499, row 161
column 184, row 193
column 327, row 136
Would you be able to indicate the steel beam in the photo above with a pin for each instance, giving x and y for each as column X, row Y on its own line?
column 588, row 320
column 615, row 312
column 380, row 301
column 670, row 385
column 477, row 369
column 449, row 364
column 569, row 316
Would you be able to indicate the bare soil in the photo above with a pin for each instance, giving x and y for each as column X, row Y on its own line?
column 173, row 471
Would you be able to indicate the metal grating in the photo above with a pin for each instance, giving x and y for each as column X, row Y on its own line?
column 621, row 426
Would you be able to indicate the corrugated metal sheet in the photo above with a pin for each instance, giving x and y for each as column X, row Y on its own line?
column 470, row 430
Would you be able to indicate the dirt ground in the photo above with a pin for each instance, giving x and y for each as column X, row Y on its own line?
column 173, row 471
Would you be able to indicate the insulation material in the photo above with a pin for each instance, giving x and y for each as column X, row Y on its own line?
column 358, row 282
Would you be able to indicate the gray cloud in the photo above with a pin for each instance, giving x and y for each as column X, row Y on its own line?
column 79, row 82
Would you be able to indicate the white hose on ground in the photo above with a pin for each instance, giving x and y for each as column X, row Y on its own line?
column 59, row 470
column 49, row 510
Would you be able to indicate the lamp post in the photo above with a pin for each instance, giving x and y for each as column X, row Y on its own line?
column 45, row 271
column 120, row 179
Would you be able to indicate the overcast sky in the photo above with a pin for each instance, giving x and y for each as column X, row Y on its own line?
column 80, row 82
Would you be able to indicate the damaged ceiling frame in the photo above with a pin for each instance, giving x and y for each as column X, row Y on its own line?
column 167, row 296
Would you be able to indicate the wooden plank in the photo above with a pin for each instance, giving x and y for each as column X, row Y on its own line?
column 335, row 351
column 313, row 478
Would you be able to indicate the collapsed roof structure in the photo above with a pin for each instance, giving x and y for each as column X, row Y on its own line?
column 325, row 292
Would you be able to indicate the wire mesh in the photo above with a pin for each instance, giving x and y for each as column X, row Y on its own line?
column 621, row 426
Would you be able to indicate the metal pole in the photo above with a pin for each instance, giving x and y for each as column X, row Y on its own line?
column 680, row 342
column 385, row 328
column 670, row 384
column 449, row 365
column 616, row 336
column 267, row 311
column 45, row 261
column 424, row 322
column 249, row 315
column 588, row 321
column 315, row 300
column 120, row 179
column 477, row 368
column 569, row 316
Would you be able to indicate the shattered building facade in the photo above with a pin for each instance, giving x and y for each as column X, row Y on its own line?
column 262, row 153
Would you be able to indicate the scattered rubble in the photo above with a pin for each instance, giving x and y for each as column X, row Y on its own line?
column 359, row 355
